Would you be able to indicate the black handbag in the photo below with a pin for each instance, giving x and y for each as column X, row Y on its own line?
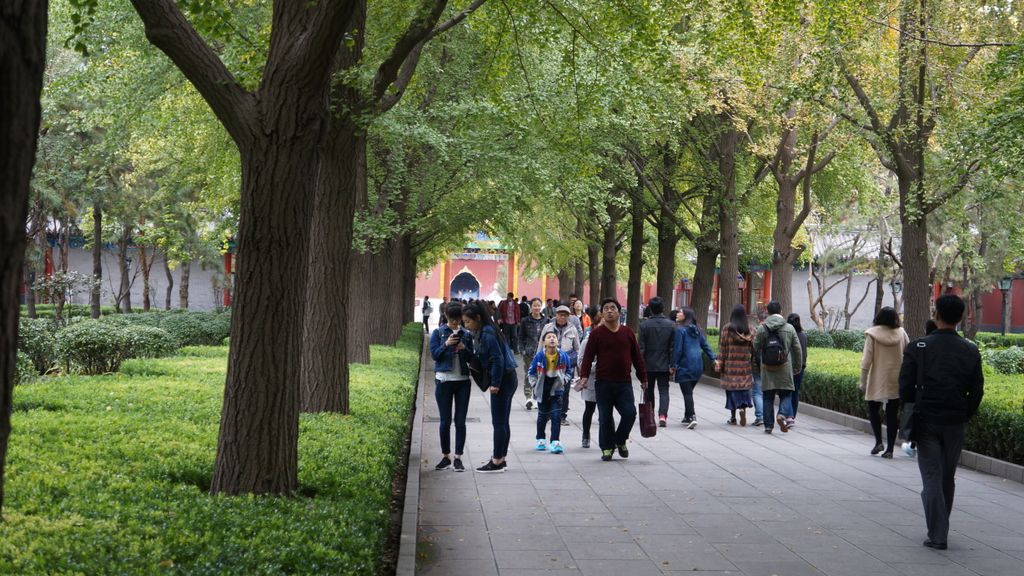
column 909, row 409
column 479, row 373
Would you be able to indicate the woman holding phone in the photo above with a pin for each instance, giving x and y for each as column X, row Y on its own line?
column 496, row 358
column 451, row 384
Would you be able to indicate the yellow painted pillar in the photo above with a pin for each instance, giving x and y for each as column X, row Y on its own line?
column 515, row 274
column 441, row 281
column 543, row 287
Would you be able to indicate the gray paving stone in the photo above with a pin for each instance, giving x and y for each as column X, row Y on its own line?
column 716, row 500
column 534, row 560
column 618, row 568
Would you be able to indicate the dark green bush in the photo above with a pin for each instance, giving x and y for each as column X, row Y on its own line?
column 36, row 339
column 92, row 347
column 1005, row 360
column 995, row 340
column 713, row 331
column 188, row 327
column 848, row 340
column 149, row 342
column 819, row 339
column 24, row 370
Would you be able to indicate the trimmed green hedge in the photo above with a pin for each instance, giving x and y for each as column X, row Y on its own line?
column 24, row 371
column 95, row 347
column 70, row 310
column 109, row 475
column 189, row 327
column 996, row 340
column 997, row 430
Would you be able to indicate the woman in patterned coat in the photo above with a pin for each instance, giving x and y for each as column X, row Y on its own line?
column 735, row 352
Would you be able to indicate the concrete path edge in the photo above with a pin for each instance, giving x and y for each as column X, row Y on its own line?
column 410, row 511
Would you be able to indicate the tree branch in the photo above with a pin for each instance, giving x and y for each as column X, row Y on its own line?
column 977, row 45
column 170, row 31
column 408, row 46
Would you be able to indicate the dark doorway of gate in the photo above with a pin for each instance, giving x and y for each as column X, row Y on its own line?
column 465, row 287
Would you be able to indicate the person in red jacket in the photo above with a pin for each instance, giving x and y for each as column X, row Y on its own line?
column 616, row 350
column 508, row 320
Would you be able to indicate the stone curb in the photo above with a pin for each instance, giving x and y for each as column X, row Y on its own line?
column 410, row 512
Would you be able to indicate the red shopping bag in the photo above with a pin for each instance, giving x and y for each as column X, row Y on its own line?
column 648, row 421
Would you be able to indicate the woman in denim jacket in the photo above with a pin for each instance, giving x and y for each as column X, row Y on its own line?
column 450, row 349
column 496, row 358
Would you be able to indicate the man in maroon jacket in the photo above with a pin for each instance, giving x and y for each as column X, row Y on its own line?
column 508, row 319
column 616, row 349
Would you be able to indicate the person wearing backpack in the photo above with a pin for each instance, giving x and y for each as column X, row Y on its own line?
column 777, row 344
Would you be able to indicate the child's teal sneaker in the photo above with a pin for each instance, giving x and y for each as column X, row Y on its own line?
column 556, row 447
column 542, row 445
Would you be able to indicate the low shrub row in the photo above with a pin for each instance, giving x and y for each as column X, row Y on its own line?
column 996, row 340
column 99, row 346
column 190, row 328
column 110, row 475
column 1005, row 360
column 840, row 339
column 70, row 311
column 832, row 380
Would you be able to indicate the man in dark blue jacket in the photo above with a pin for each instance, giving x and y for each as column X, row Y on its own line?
column 941, row 374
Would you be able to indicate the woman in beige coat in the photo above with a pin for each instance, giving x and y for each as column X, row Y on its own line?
column 879, row 375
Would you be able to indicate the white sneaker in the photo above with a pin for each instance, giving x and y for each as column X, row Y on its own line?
column 909, row 449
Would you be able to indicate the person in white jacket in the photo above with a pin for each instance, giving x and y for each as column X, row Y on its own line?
column 880, row 373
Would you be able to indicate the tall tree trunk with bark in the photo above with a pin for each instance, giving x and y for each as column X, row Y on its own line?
column 594, row 272
column 282, row 130
column 408, row 280
column 97, row 259
column 146, row 263
column 185, row 272
column 170, row 282
column 609, row 251
column 579, row 278
column 728, row 224
column 636, row 264
column 22, row 61
column 564, row 285
column 124, row 291
column 668, row 231
column 704, row 281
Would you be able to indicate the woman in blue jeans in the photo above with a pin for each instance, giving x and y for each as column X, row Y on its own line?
column 451, row 384
column 497, row 360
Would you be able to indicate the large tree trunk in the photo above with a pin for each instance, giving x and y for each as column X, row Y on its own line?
column 728, row 225
column 257, row 449
column 185, row 272
column 783, row 253
column 170, row 283
column 579, row 278
column 325, row 348
column 124, row 290
column 97, row 259
column 704, row 279
column 564, row 286
column 668, row 234
column 594, row 272
column 22, row 61
column 914, row 256
column 146, row 262
column 609, row 277
column 636, row 265
column 408, row 281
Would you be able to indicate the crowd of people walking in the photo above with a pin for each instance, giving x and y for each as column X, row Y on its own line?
column 568, row 347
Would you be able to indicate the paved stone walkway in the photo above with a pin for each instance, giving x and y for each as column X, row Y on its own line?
column 715, row 500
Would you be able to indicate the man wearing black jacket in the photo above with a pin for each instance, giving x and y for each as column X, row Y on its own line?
column 947, row 368
column 656, row 336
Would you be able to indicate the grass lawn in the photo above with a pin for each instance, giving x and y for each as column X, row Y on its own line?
column 109, row 474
